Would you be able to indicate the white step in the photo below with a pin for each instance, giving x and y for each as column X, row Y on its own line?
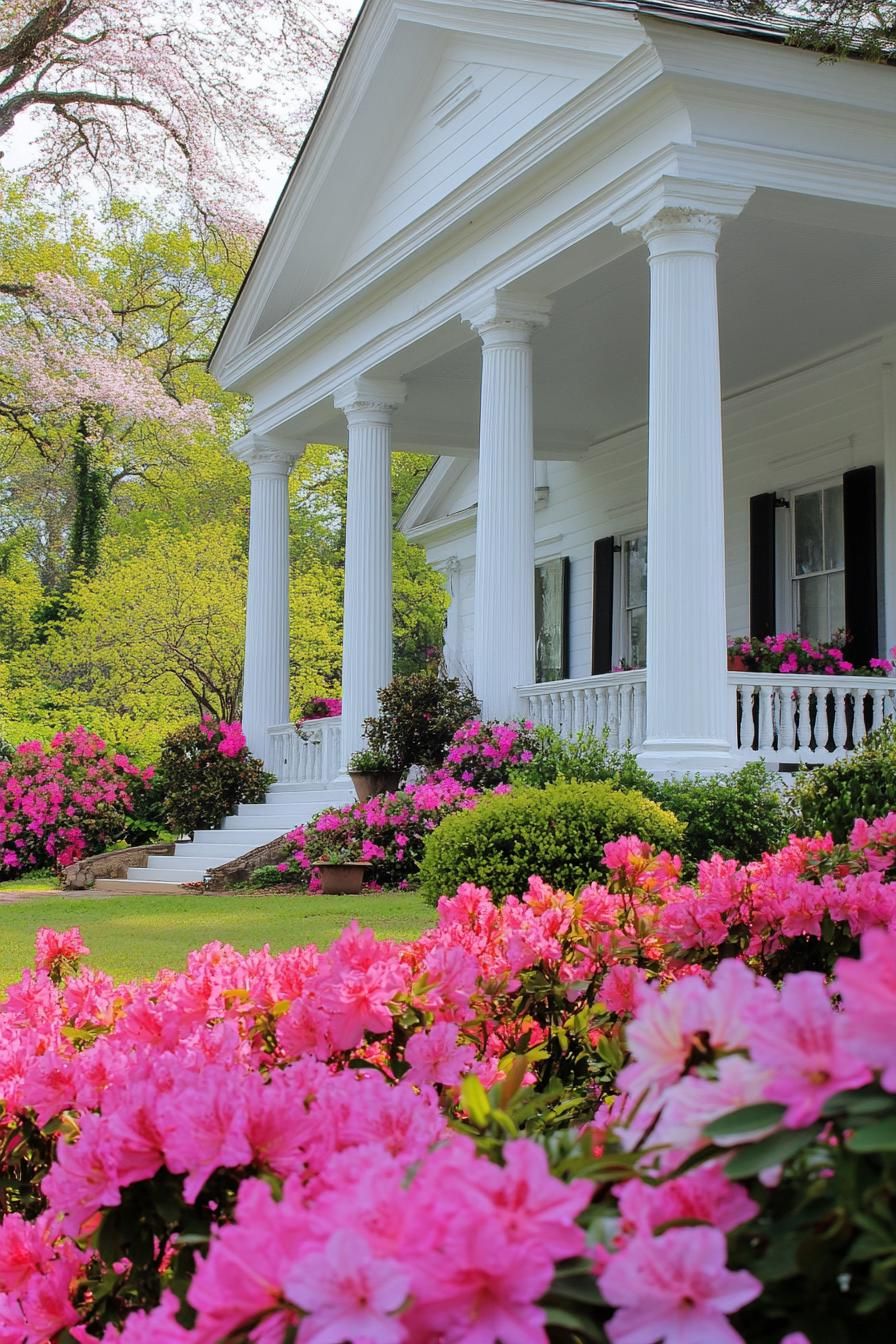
column 172, row 877
column 286, row 806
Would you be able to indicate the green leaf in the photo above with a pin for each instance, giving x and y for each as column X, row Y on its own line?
column 745, row 1120
column 584, row 1326
column 866, row 1101
column 877, row 1138
column 474, row 1100
column 769, row 1152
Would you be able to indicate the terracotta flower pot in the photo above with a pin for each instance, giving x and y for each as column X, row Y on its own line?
column 737, row 662
column 341, row 879
column 369, row 784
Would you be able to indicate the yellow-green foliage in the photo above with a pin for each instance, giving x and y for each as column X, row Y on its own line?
column 557, row 833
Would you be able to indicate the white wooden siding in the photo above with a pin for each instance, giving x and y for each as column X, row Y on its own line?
column 790, row 432
column 472, row 112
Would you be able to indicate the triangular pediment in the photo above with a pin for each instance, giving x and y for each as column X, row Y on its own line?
column 428, row 95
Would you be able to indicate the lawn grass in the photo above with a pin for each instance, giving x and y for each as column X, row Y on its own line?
column 135, row 936
column 36, row 882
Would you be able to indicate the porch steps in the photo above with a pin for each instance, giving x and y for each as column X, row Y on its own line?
column 285, row 807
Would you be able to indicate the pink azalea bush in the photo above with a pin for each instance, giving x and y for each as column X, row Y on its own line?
column 64, row 800
column 205, row 771
column 319, row 707
column 482, row 754
column 553, row 1120
column 388, row 832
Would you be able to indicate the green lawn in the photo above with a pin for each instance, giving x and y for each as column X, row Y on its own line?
column 37, row 882
column 137, row 935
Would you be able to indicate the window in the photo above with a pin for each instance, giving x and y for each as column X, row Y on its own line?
column 634, row 600
column 818, row 576
column 551, row 623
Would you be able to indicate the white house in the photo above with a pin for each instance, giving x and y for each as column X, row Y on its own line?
column 627, row 268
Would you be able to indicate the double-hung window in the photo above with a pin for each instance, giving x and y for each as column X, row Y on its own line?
column 634, row 600
column 818, row 566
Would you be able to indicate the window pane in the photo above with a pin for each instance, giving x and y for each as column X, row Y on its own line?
column 813, row 608
column 833, row 527
column 808, row 535
column 636, row 571
column 637, row 637
column 837, row 599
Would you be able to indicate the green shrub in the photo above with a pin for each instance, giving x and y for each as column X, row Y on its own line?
column 584, row 759
column 205, row 771
column 862, row 784
column 557, row 833
column 419, row 714
column 742, row 815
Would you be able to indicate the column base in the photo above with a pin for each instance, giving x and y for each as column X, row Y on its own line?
column 671, row 758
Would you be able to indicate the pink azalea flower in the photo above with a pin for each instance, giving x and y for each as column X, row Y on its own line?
column 801, row 1043
column 868, row 990
column 436, row 1057
column 675, row 1289
column 349, row 1293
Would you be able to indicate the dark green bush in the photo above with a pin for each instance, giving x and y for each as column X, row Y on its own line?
column 557, row 833
column 862, row 784
column 199, row 783
column 742, row 815
column 419, row 714
column 584, row 759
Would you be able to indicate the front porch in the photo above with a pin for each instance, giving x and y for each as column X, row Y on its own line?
column 785, row 721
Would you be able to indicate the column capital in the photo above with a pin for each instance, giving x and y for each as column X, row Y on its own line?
column 507, row 317
column 675, row 214
column 267, row 454
column 369, row 399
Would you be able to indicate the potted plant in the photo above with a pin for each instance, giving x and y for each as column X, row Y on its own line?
column 371, row 772
column 341, row 872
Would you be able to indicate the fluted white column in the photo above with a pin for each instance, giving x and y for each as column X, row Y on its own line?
column 266, row 667
column 504, row 611
column 369, row 405
column 688, row 707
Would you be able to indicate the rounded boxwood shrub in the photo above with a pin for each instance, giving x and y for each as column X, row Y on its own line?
column 557, row 833
column 742, row 815
column 862, row 784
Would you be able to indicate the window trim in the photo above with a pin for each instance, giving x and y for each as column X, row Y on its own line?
column 620, row 624
column 791, row 578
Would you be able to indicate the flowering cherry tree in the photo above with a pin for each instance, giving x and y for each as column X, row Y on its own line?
column 181, row 95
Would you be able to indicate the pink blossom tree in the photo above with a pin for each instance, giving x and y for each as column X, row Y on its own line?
column 186, row 97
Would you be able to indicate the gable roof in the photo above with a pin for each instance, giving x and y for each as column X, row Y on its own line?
column 696, row 13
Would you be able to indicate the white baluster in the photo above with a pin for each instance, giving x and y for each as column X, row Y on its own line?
column 638, row 708
column 625, row 716
column 840, row 731
column 785, row 707
column 766, row 723
column 877, row 714
column 805, row 725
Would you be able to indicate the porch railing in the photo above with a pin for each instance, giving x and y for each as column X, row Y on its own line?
column 785, row 720
column 616, row 702
column 309, row 756
column 805, row 720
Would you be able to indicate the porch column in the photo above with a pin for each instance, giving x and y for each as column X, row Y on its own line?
column 266, row 666
column 504, row 610
column 369, row 405
column 688, row 707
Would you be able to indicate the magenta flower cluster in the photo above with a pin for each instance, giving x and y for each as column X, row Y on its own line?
column 230, row 737
column 793, row 654
column 388, row 832
column 482, row 753
column 302, row 1147
column 65, row 800
column 320, row 707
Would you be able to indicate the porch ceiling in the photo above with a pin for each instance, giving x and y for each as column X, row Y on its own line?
column 798, row 279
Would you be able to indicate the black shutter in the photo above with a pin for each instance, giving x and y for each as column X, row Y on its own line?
column 762, row 565
column 860, row 563
column 602, row 607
